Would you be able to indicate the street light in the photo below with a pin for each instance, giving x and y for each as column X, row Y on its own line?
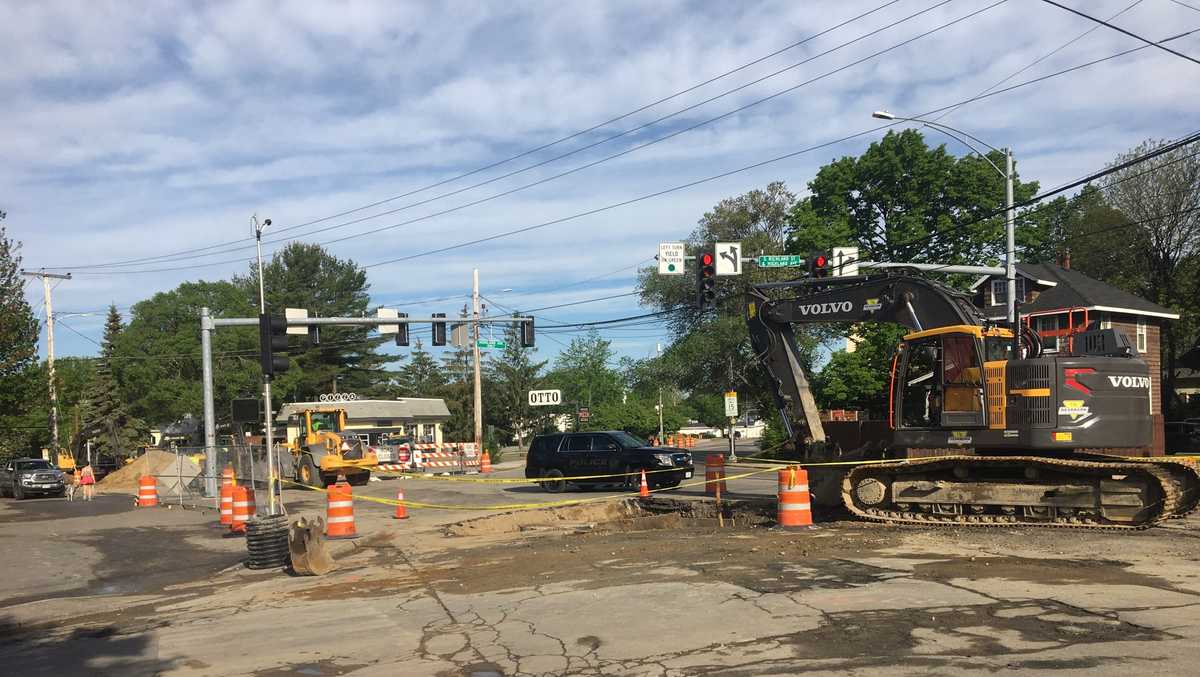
column 1010, row 268
column 262, row 309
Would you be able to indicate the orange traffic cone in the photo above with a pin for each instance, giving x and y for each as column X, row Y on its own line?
column 485, row 465
column 644, row 490
column 401, row 509
column 228, row 478
column 339, row 510
column 226, row 505
column 147, row 492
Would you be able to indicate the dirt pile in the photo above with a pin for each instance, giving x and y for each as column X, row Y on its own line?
column 163, row 465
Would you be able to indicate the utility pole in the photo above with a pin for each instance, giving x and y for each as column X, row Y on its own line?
column 732, row 420
column 475, row 352
column 49, row 300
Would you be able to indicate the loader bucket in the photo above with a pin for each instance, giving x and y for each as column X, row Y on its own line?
column 306, row 542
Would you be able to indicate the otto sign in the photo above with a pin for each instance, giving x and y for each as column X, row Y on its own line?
column 670, row 258
column 826, row 308
column 544, row 398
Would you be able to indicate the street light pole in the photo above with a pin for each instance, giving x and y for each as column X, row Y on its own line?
column 661, row 432
column 267, row 436
column 1010, row 263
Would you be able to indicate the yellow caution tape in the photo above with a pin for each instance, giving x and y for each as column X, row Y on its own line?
column 523, row 480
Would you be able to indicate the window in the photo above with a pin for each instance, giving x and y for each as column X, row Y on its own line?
column 1142, row 331
column 1046, row 325
column 1000, row 291
column 578, row 443
column 1105, row 321
column 604, row 443
column 629, row 441
column 920, row 398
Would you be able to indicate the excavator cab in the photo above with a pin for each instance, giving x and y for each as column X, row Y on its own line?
column 941, row 377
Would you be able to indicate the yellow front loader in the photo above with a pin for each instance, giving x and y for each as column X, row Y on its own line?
column 321, row 452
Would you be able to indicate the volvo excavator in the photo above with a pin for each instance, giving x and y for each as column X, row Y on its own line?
column 983, row 427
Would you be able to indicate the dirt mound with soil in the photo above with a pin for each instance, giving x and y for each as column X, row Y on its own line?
column 163, row 465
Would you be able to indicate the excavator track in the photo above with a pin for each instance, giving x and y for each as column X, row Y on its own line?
column 1112, row 494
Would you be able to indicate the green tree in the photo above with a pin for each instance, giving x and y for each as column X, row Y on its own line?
column 1161, row 199
column 157, row 356
column 902, row 201
column 512, row 374
column 106, row 417
column 709, row 409
column 634, row 414
column 422, row 376
column 306, row 276
column 19, row 389
column 583, row 373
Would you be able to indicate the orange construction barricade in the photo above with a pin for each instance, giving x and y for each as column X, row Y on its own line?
column 228, row 478
column 795, row 506
column 147, row 491
column 226, row 504
column 485, row 463
column 339, row 511
column 714, row 474
column 242, row 500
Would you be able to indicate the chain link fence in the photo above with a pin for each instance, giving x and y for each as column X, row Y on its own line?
column 182, row 472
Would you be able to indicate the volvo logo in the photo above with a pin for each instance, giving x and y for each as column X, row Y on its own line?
column 826, row 308
column 1129, row 381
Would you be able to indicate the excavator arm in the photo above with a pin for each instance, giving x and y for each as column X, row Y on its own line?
column 913, row 302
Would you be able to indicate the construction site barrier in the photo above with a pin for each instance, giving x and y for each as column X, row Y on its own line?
column 228, row 477
column 147, row 491
column 339, row 511
column 243, row 508
column 714, row 474
column 226, row 505
column 795, row 505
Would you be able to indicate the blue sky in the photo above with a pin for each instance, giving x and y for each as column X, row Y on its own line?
column 133, row 130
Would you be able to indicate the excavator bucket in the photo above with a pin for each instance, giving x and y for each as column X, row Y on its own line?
column 306, row 541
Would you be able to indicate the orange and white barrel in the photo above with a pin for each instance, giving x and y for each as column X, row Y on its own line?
column 242, row 500
column 147, row 491
column 339, row 511
column 714, row 474
column 228, row 478
column 226, row 505
column 795, row 504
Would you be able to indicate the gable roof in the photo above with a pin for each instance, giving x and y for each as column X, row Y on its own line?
column 400, row 409
column 1073, row 289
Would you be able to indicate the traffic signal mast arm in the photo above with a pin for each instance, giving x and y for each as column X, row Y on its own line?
column 916, row 303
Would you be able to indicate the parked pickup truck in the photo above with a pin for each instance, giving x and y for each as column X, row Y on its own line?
column 22, row 477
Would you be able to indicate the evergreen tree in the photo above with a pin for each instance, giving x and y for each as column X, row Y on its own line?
column 512, row 375
column 422, row 376
column 19, row 387
column 106, row 419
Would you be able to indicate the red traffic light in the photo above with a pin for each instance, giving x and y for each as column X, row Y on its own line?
column 822, row 261
column 706, row 259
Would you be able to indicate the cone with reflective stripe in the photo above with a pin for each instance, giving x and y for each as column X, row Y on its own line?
column 401, row 509
column 339, row 510
column 147, row 492
column 226, row 505
column 644, row 490
column 485, row 465
column 228, row 477
column 795, row 505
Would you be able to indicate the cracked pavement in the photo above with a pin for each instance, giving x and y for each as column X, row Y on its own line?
column 594, row 592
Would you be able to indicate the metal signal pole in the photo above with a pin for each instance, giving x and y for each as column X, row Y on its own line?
column 49, row 300
column 267, row 436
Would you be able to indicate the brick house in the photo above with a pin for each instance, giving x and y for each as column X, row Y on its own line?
column 1059, row 302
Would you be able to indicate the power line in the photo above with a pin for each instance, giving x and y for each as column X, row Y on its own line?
column 593, row 163
column 1122, row 30
column 536, row 149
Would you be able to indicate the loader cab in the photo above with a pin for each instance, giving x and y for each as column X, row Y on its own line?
column 940, row 376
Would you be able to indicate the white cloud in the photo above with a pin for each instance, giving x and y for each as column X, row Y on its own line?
column 137, row 130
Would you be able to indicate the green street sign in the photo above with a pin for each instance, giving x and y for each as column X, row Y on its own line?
column 484, row 343
column 779, row 261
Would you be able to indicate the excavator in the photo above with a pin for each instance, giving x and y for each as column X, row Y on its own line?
column 983, row 427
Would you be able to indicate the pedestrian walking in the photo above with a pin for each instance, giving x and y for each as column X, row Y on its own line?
column 87, row 478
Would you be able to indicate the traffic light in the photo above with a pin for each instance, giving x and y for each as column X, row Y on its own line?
column 818, row 264
column 272, row 339
column 439, row 331
column 402, row 330
column 706, row 280
column 527, row 333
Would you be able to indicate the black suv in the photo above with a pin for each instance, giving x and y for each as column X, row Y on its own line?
column 23, row 477
column 562, row 456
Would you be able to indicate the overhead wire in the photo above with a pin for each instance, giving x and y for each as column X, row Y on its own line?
column 1135, row 36
column 598, row 161
column 539, row 148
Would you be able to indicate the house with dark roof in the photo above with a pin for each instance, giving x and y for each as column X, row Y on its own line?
column 1059, row 303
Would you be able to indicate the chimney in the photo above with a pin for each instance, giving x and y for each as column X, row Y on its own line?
column 1064, row 259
